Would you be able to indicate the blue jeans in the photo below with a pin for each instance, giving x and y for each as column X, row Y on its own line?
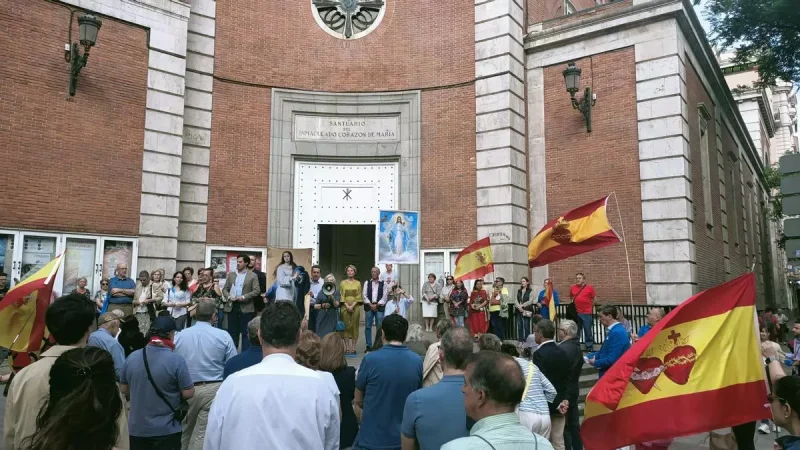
column 588, row 338
column 498, row 327
column 459, row 321
column 220, row 318
column 377, row 317
column 523, row 327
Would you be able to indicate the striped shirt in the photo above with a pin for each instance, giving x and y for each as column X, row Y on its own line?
column 540, row 392
column 499, row 432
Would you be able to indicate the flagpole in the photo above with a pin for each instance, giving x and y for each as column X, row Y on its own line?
column 625, row 244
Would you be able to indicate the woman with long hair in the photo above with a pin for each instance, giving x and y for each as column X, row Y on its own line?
column 177, row 299
column 84, row 404
column 458, row 302
column 350, row 310
column 431, row 292
column 525, row 308
column 334, row 361
column 478, row 303
column 309, row 354
column 284, row 275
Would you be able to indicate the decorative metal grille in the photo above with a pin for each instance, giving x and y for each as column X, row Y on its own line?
column 349, row 19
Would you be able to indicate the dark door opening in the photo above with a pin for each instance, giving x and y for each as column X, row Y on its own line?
column 342, row 245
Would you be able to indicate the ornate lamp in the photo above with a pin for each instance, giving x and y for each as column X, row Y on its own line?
column 572, row 78
column 88, row 26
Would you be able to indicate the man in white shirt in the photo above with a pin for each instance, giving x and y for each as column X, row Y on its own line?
column 276, row 403
column 316, row 286
column 389, row 278
column 374, row 293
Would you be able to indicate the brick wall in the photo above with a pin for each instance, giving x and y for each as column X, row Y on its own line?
column 239, row 166
column 582, row 167
column 541, row 10
column 70, row 164
column 448, row 217
column 280, row 45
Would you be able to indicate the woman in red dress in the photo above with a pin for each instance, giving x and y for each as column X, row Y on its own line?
column 477, row 305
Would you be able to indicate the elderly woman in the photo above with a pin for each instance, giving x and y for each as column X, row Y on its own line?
column 159, row 288
column 100, row 296
column 81, row 289
column 431, row 293
column 415, row 340
column 143, row 302
column 327, row 307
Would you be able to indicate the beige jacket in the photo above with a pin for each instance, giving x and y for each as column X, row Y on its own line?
column 26, row 396
column 431, row 367
column 250, row 291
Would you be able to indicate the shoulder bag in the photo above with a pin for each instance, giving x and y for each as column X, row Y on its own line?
column 572, row 310
column 339, row 322
column 183, row 408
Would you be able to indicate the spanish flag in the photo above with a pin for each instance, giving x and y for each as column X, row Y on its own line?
column 698, row 369
column 23, row 307
column 549, row 302
column 579, row 231
column 475, row 261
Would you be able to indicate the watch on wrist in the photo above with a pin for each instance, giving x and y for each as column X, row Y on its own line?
column 768, row 360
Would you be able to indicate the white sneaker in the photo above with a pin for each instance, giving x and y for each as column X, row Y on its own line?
column 763, row 428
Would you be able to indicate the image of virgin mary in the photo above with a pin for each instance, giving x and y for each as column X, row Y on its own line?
column 398, row 237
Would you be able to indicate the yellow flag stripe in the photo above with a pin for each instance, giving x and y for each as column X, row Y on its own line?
column 471, row 262
column 40, row 274
column 581, row 229
column 726, row 351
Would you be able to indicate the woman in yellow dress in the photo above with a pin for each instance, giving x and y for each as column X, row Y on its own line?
column 350, row 310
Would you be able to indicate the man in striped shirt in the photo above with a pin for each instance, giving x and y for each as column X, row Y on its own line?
column 493, row 387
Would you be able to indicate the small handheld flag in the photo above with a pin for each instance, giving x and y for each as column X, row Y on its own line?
column 578, row 231
column 475, row 261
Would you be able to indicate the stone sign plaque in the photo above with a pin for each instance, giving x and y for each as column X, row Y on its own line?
column 346, row 129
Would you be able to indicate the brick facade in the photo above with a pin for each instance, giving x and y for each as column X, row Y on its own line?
column 582, row 167
column 70, row 165
column 398, row 55
column 239, row 166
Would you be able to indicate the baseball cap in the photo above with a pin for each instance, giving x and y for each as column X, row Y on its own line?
column 164, row 324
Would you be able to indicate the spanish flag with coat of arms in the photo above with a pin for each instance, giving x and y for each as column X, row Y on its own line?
column 475, row 261
column 23, row 307
column 698, row 369
column 578, row 231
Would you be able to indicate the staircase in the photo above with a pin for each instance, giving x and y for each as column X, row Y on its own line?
column 587, row 380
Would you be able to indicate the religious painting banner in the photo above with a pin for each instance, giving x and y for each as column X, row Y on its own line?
column 398, row 237
column 301, row 257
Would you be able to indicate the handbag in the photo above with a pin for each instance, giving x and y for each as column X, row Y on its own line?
column 572, row 310
column 339, row 322
column 183, row 408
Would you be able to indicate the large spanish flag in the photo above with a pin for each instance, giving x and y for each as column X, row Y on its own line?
column 697, row 370
column 23, row 307
column 474, row 261
column 579, row 231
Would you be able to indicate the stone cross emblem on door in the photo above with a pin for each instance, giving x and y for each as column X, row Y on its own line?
column 347, row 193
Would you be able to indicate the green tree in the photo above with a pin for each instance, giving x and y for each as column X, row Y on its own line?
column 765, row 33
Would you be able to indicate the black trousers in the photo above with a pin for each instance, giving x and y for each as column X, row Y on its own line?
column 168, row 442
column 572, row 429
column 237, row 326
column 745, row 435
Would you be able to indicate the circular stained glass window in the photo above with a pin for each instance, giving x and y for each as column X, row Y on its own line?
column 348, row 19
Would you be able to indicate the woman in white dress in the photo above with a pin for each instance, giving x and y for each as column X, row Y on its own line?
column 177, row 299
column 283, row 275
column 431, row 292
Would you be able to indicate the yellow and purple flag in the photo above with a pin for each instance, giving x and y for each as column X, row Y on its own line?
column 23, row 307
column 698, row 369
column 475, row 261
column 578, row 231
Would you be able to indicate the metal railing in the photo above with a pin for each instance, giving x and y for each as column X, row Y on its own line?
column 635, row 314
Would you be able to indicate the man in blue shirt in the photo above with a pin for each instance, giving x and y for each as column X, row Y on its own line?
column 250, row 357
column 105, row 337
column 436, row 415
column 151, row 421
column 206, row 349
column 617, row 341
column 385, row 379
column 120, row 291
column 653, row 317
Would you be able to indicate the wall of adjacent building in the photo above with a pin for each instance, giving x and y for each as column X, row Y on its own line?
column 70, row 164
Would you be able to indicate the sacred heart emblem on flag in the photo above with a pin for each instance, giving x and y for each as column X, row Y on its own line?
column 677, row 365
column 561, row 233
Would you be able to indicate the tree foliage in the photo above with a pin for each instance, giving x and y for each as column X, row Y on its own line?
column 765, row 33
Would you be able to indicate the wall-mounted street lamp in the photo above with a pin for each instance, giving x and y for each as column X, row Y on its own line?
column 88, row 26
column 572, row 78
